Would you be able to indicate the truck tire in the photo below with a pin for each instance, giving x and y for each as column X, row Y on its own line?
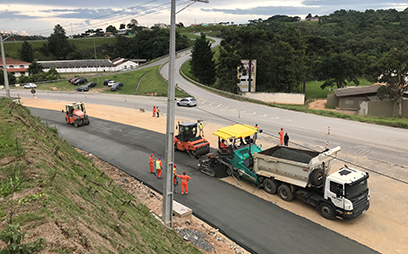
column 76, row 124
column 270, row 186
column 327, row 210
column 285, row 192
column 317, row 177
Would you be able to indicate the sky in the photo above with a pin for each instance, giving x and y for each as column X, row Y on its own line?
column 39, row 17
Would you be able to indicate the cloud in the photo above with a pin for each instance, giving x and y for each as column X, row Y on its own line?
column 13, row 15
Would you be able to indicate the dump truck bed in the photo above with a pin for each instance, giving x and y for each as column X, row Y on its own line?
column 291, row 165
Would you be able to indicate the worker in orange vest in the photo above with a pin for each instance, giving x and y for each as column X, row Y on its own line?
column 159, row 167
column 256, row 134
column 184, row 182
column 281, row 133
column 175, row 182
column 151, row 164
column 154, row 111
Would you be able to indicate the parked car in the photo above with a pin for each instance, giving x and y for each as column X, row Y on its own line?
column 111, row 82
column 72, row 80
column 30, row 85
column 80, row 81
column 189, row 102
column 105, row 83
column 86, row 87
column 117, row 86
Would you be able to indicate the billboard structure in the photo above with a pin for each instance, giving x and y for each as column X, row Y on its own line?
column 243, row 76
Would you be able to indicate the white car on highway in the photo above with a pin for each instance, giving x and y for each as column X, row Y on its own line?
column 30, row 85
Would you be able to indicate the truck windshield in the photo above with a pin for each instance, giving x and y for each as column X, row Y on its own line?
column 356, row 189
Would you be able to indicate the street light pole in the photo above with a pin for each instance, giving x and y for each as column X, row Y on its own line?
column 167, row 210
column 3, row 57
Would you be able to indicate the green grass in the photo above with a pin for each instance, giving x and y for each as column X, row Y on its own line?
column 313, row 90
column 151, row 83
column 87, row 44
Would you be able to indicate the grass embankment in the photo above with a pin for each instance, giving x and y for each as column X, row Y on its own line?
column 84, row 44
column 313, row 91
column 58, row 194
column 151, row 83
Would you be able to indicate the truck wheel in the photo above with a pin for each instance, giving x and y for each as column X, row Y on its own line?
column 270, row 186
column 326, row 210
column 285, row 192
column 76, row 124
column 229, row 171
column 317, row 177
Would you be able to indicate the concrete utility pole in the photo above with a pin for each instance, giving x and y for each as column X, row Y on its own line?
column 3, row 57
column 167, row 210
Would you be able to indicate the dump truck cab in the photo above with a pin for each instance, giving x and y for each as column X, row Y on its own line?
column 348, row 191
column 187, row 140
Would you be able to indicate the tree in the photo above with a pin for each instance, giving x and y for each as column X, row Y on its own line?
column 227, row 66
column 26, row 52
column 11, row 78
column 111, row 29
column 35, row 68
column 122, row 26
column 202, row 63
column 392, row 69
column 58, row 43
column 180, row 25
column 338, row 69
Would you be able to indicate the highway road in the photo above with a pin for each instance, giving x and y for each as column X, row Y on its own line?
column 254, row 223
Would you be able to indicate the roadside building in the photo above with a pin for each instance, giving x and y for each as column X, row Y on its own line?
column 16, row 67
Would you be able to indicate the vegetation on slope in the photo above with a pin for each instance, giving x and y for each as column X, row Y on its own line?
column 55, row 193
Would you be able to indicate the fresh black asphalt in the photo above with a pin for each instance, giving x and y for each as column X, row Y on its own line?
column 258, row 225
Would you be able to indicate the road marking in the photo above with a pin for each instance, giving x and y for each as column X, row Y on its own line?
column 211, row 103
column 219, row 105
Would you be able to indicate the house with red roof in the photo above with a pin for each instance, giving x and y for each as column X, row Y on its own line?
column 16, row 67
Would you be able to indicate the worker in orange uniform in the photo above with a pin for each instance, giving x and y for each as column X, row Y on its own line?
column 154, row 111
column 159, row 167
column 281, row 133
column 175, row 182
column 184, row 182
column 256, row 134
column 151, row 160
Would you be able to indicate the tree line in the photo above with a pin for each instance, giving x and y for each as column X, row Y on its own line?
column 337, row 49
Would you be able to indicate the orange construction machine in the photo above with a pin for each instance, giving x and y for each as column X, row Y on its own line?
column 187, row 141
column 75, row 114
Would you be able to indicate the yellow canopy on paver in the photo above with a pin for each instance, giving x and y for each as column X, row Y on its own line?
column 236, row 131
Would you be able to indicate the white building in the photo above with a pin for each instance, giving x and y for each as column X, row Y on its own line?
column 16, row 67
column 91, row 65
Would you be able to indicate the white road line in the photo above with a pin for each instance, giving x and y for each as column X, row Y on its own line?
column 211, row 103
column 219, row 105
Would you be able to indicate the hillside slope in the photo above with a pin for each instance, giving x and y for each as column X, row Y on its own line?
column 58, row 194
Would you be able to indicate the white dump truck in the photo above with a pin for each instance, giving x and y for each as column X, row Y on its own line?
column 303, row 174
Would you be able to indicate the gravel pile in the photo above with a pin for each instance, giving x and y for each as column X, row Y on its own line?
column 292, row 155
column 196, row 238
